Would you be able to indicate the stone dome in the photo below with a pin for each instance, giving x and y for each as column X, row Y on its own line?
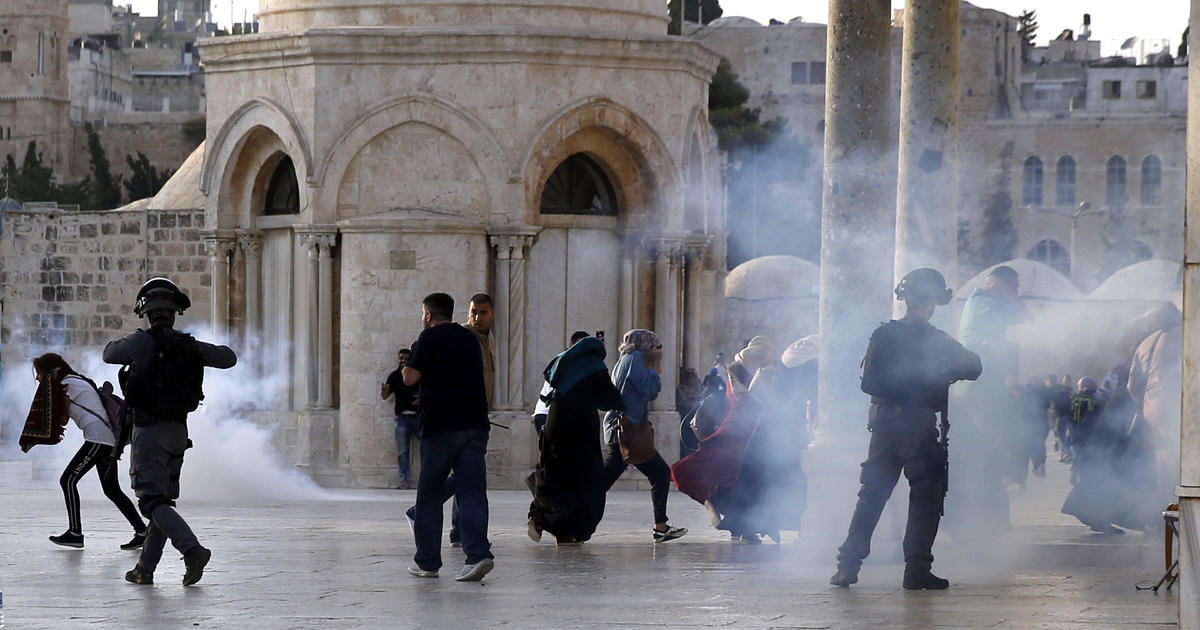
column 773, row 278
column 1149, row 280
column 628, row 16
column 1038, row 280
column 733, row 20
column 182, row 190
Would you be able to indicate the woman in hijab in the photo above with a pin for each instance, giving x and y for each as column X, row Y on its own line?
column 569, row 488
column 85, row 408
column 636, row 376
column 711, row 473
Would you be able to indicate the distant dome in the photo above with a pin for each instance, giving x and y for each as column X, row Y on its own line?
column 1149, row 280
column 772, row 278
column 182, row 191
column 9, row 204
column 631, row 16
column 799, row 19
column 733, row 20
column 1038, row 280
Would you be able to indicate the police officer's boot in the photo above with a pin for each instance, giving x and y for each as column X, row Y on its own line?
column 844, row 577
column 923, row 579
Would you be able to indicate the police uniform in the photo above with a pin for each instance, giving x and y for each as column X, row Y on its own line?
column 157, row 444
column 907, row 369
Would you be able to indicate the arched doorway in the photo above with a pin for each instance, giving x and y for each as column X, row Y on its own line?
column 575, row 265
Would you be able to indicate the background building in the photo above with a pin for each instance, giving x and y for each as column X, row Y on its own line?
column 34, row 92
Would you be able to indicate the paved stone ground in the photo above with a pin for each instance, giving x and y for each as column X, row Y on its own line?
column 341, row 562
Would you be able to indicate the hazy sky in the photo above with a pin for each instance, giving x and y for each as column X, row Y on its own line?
column 1112, row 20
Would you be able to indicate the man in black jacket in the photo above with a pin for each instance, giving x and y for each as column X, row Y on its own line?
column 908, row 369
column 158, row 399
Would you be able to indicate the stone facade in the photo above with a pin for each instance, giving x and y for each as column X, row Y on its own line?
column 69, row 278
column 34, row 98
column 428, row 174
column 1008, row 111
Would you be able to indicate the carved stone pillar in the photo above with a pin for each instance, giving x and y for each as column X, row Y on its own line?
column 666, row 317
column 251, row 246
column 692, row 304
column 628, row 289
column 320, row 315
column 510, row 246
column 218, row 246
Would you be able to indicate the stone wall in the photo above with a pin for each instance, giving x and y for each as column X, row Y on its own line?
column 69, row 278
column 159, row 137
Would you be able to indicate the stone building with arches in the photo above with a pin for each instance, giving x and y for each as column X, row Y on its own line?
column 361, row 155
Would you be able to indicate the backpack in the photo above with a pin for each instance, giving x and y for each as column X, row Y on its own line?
column 172, row 385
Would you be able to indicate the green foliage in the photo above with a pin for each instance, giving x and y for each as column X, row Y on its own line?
column 104, row 190
column 968, row 255
column 1182, row 50
column 1027, row 27
column 34, row 181
column 194, row 130
column 738, row 127
column 699, row 11
column 999, row 235
column 144, row 180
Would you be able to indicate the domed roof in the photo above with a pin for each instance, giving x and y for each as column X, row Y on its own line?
column 773, row 278
column 1038, row 280
column 733, row 20
column 1149, row 280
column 628, row 16
column 182, row 191
column 8, row 203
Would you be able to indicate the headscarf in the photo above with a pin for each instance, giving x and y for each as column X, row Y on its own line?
column 574, row 364
column 756, row 354
column 639, row 339
column 801, row 351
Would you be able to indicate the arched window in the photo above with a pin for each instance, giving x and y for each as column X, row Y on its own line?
column 1064, row 184
column 1032, row 195
column 283, row 193
column 1114, row 177
column 1052, row 253
column 1151, row 181
column 579, row 186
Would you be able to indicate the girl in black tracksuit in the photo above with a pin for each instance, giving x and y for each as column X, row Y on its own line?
column 87, row 412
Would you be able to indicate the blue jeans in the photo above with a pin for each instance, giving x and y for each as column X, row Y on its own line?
column 463, row 453
column 406, row 426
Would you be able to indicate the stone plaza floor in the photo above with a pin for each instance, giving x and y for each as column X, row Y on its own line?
column 340, row 562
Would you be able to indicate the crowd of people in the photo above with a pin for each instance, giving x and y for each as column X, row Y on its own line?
column 743, row 429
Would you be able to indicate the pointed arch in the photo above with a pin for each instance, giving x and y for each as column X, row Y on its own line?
column 256, row 112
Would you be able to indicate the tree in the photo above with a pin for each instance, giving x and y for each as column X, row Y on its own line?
column 738, row 127
column 144, row 180
column 698, row 11
column 968, row 257
column 999, row 235
column 1182, row 51
column 104, row 190
column 1027, row 28
column 34, row 181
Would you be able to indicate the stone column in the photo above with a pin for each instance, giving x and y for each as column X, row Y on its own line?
column 325, row 320
column 218, row 247
column 666, row 318
column 628, row 288
column 510, row 246
column 500, row 275
column 319, row 244
column 1189, row 456
column 251, row 246
column 927, row 190
column 858, row 205
column 691, row 301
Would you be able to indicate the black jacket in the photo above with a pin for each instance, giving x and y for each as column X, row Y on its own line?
column 908, row 370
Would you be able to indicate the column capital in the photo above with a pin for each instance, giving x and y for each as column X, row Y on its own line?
column 250, row 243
column 665, row 245
column 511, row 242
column 317, row 237
column 218, row 242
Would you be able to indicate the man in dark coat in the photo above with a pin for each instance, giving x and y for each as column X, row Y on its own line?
column 908, row 369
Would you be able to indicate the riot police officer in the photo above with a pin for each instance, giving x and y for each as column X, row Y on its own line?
column 162, row 384
column 907, row 370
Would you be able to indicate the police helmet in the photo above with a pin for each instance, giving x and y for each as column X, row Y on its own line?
column 925, row 284
column 160, row 293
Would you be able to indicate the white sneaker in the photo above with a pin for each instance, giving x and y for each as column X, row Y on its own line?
column 412, row 523
column 533, row 531
column 475, row 572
